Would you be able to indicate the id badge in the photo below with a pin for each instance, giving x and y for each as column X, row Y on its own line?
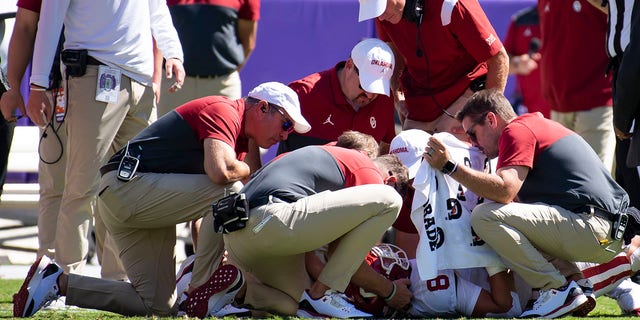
column 61, row 103
column 108, row 85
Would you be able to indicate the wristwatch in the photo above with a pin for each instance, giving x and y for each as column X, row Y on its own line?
column 449, row 167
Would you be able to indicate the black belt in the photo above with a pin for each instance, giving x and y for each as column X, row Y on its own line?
column 595, row 211
column 109, row 167
column 261, row 201
column 93, row 61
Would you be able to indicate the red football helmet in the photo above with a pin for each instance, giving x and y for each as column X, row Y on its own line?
column 388, row 260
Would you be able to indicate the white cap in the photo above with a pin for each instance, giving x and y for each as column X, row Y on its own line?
column 284, row 97
column 375, row 62
column 370, row 9
column 408, row 146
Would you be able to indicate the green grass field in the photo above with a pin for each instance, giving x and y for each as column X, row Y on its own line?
column 606, row 309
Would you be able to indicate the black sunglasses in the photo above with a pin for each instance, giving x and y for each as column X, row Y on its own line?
column 287, row 125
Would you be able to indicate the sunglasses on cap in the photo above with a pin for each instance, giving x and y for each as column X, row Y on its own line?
column 287, row 125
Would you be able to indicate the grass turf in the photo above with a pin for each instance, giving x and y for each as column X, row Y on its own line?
column 606, row 308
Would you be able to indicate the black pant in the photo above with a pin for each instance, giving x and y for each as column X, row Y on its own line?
column 626, row 177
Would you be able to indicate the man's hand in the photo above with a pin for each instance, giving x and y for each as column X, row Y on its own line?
column 10, row 101
column 523, row 64
column 173, row 67
column 402, row 298
column 39, row 108
column 621, row 135
column 401, row 105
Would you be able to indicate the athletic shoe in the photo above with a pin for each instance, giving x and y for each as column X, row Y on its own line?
column 332, row 305
column 183, row 278
column 58, row 304
column 230, row 310
column 555, row 303
column 587, row 289
column 214, row 294
column 40, row 288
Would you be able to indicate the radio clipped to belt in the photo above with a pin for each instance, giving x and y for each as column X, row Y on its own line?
column 230, row 213
column 128, row 166
column 75, row 62
column 619, row 226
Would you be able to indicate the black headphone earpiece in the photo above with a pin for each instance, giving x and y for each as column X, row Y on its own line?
column 413, row 11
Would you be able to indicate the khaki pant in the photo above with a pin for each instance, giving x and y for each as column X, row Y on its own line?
column 51, row 168
column 596, row 127
column 141, row 216
column 524, row 234
column 198, row 87
column 95, row 130
column 277, row 236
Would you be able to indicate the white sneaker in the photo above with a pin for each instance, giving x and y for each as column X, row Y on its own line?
column 333, row 305
column 218, row 291
column 230, row 310
column 40, row 288
column 555, row 303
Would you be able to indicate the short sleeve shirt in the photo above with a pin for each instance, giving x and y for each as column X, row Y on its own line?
column 574, row 56
column 326, row 109
column 175, row 142
column 311, row 170
column 32, row 5
column 443, row 55
column 564, row 170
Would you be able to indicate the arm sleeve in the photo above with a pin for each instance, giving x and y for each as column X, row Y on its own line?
column 52, row 15
column 472, row 27
column 250, row 10
column 163, row 31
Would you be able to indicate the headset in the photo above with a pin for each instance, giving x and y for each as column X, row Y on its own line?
column 413, row 11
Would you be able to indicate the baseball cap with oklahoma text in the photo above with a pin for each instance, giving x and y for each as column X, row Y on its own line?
column 370, row 9
column 284, row 97
column 375, row 62
column 408, row 146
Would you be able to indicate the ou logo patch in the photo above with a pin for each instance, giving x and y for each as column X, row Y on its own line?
column 372, row 122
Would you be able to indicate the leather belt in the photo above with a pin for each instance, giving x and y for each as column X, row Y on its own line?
column 595, row 211
column 93, row 61
column 109, row 167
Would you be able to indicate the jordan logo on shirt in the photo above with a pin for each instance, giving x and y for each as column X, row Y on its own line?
column 329, row 121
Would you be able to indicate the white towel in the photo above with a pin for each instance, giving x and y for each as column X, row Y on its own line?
column 441, row 212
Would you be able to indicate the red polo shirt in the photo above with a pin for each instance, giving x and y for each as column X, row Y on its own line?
column 574, row 57
column 326, row 109
column 455, row 40
column 31, row 5
column 219, row 118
